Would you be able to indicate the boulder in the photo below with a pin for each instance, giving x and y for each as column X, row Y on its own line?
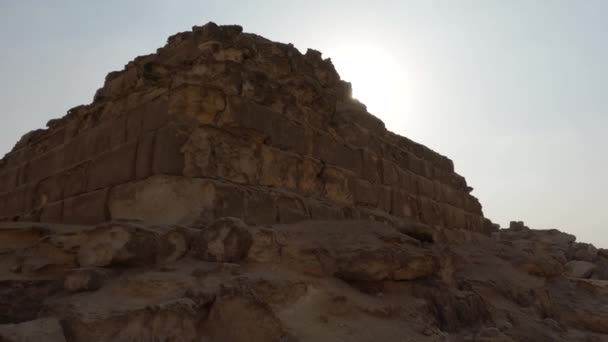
column 579, row 269
column 225, row 240
column 118, row 244
column 583, row 251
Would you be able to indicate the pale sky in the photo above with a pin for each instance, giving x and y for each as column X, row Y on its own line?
column 513, row 91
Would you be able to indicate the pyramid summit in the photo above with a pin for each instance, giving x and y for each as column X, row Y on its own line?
column 229, row 188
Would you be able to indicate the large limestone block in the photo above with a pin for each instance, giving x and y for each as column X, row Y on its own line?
column 88, row 208
column 163, row 200
column 218, row 154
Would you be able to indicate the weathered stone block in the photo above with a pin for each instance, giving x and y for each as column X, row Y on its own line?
column 323, row 211
column 406, row 181
column 75, row 180
column 291, row 209
column 155, row 114
column 278, row 130
column 52, row 212
column 144, row 155
column 365, row 193
column 18, row 202
column 279, row 168
column 451, row 196
column 390, row 176
column 453, row 217
column 118, row 83
column 349, row 111
column 118, row 131
column 8, row 179
column 324, row 147
column 196, row 101
column 457, row 181
column 401, row 158
column 430, row 212
column 244, row 114
column 134, row 124
column 404, row 204
column 309, row 177
column 371, row 166
column 474, row 222
column 113, row 167
column 440, row 175
column 261, row 208
column 225, row 240
column 229, row 201
column 439, row 192
column 447, row 215
column 416, row 165
column 168, row 156
column 347, row 158
column 163, row 200
column 75, row 151
column 99, row 140
column 4, row 214
column 292, row 137
column 385, row 198
column 338, row 185
column 199, row 156
column 44, row 165
column 48, row 190
column 215, row 153
column 426, row 170
column 334, row 152
column 472, row 204
column 89, row 208
column 447, row 164
column 425, row 187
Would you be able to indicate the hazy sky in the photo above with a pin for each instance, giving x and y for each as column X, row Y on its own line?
column 513, row 91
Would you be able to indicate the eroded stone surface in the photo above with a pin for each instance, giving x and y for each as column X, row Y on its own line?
column 314, row 280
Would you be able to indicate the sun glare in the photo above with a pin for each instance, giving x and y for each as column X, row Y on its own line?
column 379, row 80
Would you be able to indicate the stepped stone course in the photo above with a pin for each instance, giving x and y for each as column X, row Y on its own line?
column 248, row 121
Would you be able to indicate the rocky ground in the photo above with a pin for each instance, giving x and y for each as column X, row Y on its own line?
column 309, row 281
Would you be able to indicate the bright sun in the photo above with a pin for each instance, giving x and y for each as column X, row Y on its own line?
column 379, row 81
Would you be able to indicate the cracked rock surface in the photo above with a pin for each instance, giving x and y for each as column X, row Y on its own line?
column 308, row 281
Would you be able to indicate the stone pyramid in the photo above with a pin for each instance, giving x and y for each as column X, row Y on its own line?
column 228, row 188
column 224, row 123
